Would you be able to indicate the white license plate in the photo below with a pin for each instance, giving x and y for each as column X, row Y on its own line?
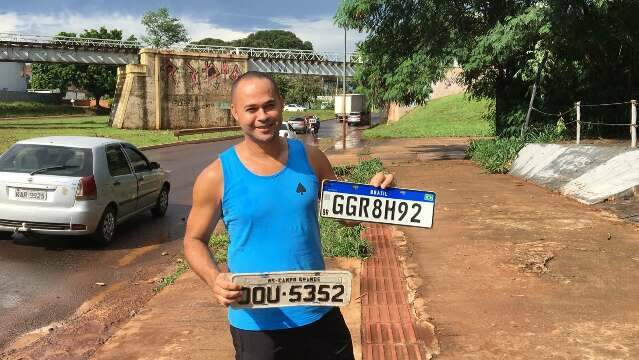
column 28, row 194
column 294, row 288
column 358, row 202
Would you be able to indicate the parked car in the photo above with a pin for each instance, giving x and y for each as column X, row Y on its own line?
column 357, row 118
column 294, row 107
column 75, row 185
column 286, row 130
column 298, row 123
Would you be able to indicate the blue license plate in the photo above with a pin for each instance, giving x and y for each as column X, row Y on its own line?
column 358, row 202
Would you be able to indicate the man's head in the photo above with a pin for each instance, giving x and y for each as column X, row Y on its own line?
column 257, row 106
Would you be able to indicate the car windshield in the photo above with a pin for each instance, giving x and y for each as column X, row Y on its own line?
column 295, row 119
column 284, row 126
column 47, row 159
column 354, row 113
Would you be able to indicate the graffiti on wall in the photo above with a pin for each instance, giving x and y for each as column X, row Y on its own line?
column 210, row 73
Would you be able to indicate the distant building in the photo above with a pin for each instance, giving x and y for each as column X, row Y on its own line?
column 13, row 77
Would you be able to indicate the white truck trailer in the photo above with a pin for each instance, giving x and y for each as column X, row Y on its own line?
column 355, row 103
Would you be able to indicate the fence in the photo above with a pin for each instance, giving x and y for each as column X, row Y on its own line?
column 632, row 125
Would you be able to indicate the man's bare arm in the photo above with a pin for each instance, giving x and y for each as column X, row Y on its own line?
column 204, row 215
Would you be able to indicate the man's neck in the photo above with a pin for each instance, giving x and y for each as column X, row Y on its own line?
column 271, row 149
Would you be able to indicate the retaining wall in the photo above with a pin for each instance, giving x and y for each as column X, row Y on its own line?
column 588, row 173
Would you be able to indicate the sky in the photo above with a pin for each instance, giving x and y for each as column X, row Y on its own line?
column 310, row 20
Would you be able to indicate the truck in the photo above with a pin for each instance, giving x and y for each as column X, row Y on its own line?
column 356, row 109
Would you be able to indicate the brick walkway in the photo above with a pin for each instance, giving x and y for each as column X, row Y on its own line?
column 388, row 327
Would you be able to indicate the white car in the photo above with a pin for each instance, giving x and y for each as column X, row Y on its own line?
column 294, row 107
column 75, row 185
column 286, row 130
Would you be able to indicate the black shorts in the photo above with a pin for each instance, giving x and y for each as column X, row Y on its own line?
column 326, row 339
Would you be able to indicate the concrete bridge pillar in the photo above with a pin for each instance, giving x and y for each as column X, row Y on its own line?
column 176, row 90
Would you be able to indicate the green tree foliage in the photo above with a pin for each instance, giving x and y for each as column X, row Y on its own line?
column 592, row 47
column 279, row 39
column 211, row 41
column 162, row 30
column 98, row 80
column 299, row 89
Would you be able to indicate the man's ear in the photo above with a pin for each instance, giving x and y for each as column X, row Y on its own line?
column 234, row 112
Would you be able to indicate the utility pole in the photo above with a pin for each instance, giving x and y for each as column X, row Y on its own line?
column 534, row 92
column 344, row 94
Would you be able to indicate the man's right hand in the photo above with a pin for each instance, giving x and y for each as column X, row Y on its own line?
column 224, row 290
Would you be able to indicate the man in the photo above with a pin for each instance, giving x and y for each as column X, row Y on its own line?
column 266, row 187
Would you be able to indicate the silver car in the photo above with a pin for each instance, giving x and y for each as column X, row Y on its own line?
column 74, row 185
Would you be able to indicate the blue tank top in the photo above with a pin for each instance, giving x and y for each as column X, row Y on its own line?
column 272, row 225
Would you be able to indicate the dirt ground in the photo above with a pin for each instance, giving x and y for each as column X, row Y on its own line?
column 513, row 271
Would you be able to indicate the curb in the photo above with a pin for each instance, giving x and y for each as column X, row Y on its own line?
column 190, row 142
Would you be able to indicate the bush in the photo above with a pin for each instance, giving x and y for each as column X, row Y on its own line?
column 497, row 155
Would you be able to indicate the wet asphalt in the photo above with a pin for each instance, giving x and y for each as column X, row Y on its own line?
column 44, row 280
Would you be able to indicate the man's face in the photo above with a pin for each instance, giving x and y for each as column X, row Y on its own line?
column 258, row 109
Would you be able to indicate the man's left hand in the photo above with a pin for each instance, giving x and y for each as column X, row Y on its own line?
column 382, row 180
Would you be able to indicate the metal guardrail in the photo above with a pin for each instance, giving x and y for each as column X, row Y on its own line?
column 251, row 52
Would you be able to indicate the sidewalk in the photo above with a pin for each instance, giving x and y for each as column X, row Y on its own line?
column 509, row 271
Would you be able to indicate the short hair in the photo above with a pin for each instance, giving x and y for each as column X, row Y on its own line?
column 254, row 75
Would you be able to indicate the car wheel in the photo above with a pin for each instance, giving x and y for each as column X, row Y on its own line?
column 105, row 231
column 162, row 204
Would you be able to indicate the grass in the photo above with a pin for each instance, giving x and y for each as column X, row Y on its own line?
column 180, row 269
column 219, row 244
column 497, row 155
column 448, row 116
column 325, row 114
column 15, row 130
column 30, row 108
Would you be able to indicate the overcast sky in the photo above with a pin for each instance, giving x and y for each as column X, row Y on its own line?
column 311, row 20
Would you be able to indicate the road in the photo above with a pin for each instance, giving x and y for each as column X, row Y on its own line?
column 46, row 280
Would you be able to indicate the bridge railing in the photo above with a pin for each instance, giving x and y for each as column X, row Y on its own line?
column 251, row 52
column 272, row 54
column 68, row 41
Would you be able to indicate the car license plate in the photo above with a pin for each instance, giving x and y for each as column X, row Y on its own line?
column 28, row 194
column 358, row 202
column 294, row 288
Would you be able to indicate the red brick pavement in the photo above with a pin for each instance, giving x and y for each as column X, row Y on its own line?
column 388, row 327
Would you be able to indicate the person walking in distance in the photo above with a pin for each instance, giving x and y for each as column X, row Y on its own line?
column 255, row 188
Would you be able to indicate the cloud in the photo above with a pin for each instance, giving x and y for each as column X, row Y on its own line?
column 49, row 25
column 323, row 33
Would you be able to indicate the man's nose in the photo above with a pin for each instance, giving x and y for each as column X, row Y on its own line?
column 261, row 115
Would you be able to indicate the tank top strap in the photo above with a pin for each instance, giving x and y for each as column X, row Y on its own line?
column 297, row 156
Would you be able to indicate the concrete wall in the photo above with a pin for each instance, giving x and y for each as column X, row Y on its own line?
column 450, row 85
column 588, row 173
column 11, row 78
column 176, row 90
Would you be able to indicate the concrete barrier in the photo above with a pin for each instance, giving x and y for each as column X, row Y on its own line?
column 588, row 173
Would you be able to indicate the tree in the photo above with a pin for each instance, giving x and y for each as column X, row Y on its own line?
column 278, row 39
column 162, row 30
column 499, row 45
column 212, row 42
column 98, row 80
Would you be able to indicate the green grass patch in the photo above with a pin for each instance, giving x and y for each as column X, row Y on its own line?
column 219, row 243
column 325, row 114
column 15, row 130
column 31, row 108
column 497, row 155
column 180, row 269
column 360, row 173
column 448, row 116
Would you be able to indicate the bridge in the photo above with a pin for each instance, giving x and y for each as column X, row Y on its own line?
column 16, row 47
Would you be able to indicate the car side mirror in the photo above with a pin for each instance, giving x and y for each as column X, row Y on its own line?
column 154, row 165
